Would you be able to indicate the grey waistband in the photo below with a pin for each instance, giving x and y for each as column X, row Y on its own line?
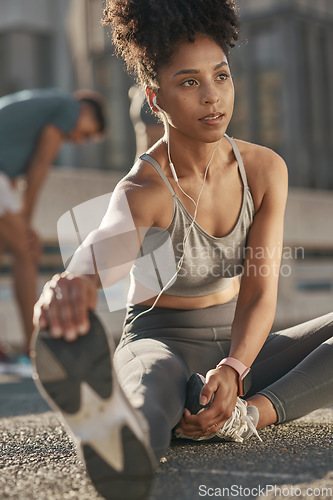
column 187, row 322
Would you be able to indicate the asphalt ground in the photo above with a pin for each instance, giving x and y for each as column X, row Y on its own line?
column 38, row 460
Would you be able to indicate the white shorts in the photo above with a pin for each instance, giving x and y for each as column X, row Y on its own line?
column 9, row 196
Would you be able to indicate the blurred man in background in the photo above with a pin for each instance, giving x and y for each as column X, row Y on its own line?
column 33, row 126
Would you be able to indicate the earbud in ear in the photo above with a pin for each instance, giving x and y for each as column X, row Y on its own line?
column 172, row 167
column 156, row 105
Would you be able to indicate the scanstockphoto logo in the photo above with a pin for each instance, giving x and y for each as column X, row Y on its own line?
column 268, row 490
column 96, row 238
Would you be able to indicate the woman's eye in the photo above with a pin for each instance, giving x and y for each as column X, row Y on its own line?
column 223, row 76
column 189, row 83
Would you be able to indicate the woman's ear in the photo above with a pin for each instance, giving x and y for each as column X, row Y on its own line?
column 151, row 94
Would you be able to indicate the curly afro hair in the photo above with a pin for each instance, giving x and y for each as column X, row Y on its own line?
column 145, row 32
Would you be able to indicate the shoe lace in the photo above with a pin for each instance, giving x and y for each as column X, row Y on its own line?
column 238, row 424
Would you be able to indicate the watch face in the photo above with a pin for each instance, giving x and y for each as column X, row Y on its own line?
column 247, row 381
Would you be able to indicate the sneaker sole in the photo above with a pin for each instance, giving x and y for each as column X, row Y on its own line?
column 78, row 379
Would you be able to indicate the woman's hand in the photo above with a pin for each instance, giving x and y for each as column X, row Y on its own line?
column 63, row 305
column 223, row 384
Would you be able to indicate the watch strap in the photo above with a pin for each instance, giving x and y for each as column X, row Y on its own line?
column 239, row 367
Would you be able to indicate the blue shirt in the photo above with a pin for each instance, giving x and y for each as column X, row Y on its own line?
column 23, row 116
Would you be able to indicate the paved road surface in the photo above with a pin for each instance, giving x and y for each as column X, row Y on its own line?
column 38, row 460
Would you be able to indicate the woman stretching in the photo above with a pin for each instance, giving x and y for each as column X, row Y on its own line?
column 198, row 224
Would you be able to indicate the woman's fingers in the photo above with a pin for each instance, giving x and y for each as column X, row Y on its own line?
column 66, row 314
column 63, row 306
column 39, row 316
column 200, row 425
column 221, row 384
column 83, row 298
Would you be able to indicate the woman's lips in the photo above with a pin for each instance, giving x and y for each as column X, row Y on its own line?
column 212, row 119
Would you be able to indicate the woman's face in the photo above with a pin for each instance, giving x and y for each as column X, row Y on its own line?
column 196, row 90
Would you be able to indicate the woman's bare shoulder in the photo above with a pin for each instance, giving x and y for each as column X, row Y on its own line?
column 147, row 194
column 255, row 155
column 266, row 170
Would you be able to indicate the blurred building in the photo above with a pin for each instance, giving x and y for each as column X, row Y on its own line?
column 33, row 46
column 283, row 73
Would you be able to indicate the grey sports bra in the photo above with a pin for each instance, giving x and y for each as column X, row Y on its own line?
column 209, row 264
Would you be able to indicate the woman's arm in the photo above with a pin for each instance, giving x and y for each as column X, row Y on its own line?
column 112, row 249
column 256, row 304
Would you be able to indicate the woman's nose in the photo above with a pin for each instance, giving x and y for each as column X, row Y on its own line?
column 209, row 95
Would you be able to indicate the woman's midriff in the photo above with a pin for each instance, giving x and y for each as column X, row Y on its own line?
column 173, row 302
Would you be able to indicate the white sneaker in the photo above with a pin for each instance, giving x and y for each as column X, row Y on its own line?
column 239, row 427
column 242, row 423
column 78, row 379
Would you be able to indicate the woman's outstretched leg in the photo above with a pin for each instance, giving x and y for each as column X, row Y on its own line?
column 154, row 380
column 293, row 373
column 78, row 379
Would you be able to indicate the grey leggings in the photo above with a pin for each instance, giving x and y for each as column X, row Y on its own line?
column 161, row 349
